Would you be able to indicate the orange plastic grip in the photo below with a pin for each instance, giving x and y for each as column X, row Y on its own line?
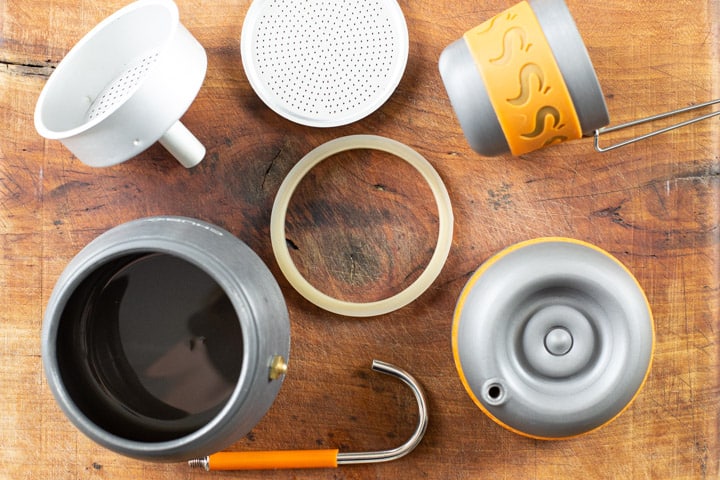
column 280, row 459
column 522, row 78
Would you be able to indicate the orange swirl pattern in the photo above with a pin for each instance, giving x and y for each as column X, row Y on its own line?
column 523, row 80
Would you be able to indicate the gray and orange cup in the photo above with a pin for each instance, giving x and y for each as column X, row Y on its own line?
column 523, row 80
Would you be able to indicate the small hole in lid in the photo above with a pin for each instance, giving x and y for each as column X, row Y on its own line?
column 494, row 392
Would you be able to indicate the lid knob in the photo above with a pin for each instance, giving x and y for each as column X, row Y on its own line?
column 558, row 341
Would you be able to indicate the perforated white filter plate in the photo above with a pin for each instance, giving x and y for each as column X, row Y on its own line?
column 324, row 63
column 122, row 87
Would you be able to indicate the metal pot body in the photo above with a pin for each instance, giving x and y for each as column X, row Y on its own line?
column 121, row 405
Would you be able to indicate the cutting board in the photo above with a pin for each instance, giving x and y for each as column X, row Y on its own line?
column 365, row 224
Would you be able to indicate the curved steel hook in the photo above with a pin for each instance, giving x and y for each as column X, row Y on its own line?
column 415, row 438
column 324, row 458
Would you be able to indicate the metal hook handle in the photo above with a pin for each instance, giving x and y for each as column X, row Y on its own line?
column 413, row 441
column 324, row 458
column 653, row 118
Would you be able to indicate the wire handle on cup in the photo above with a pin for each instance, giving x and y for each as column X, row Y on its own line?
column 653, row 118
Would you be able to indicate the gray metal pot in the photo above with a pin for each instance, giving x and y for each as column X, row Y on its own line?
column 165, row 339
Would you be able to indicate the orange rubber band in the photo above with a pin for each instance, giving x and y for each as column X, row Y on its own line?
column 523, row 80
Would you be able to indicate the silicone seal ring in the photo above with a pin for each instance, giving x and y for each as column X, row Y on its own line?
column 379, row 307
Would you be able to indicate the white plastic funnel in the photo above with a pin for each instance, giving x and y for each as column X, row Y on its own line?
column 124, row 86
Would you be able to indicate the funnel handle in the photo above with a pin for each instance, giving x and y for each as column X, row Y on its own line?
column 183, row 145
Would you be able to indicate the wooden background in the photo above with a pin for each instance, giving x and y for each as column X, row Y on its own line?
column 654, row 205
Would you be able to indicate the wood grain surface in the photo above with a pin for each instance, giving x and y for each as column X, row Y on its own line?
column 654, row 205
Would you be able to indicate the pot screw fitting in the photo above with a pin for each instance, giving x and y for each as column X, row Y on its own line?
column 278, row 367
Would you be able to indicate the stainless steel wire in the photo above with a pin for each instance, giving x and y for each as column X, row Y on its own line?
column 605, row 130
column 350, row 458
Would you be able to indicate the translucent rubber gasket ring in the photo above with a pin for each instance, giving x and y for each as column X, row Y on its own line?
column 307, row 163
